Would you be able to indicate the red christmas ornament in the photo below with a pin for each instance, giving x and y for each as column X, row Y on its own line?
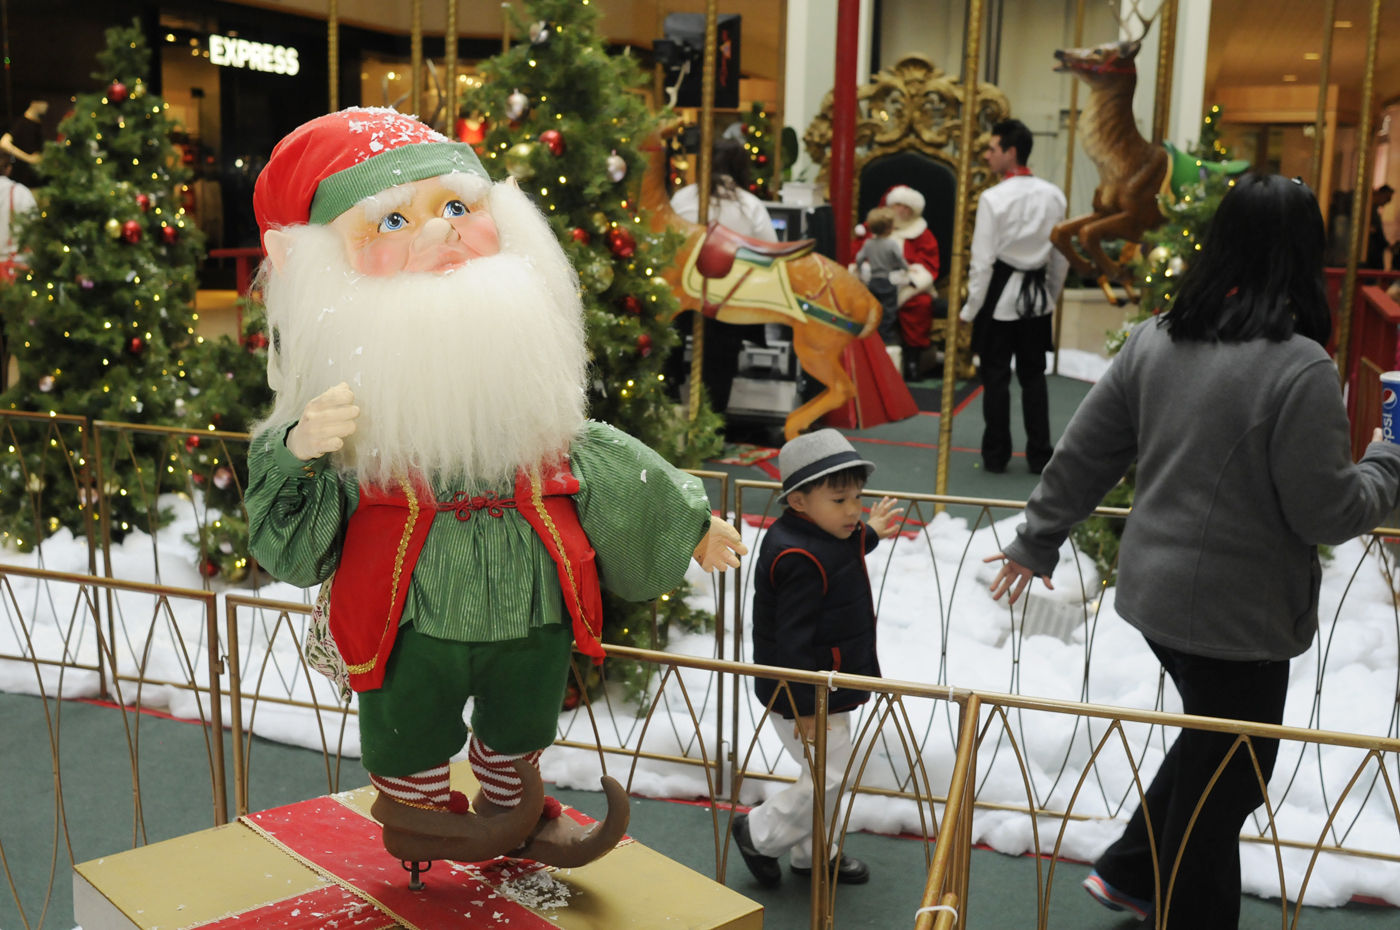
column 191, row 443
column 763, row 159
column 143, row 201
column 621, row 243
column 255, row 341
column 471, row 130
column 580, row 235
column 554, row 141
column 644, row 345
column 116, row 92
column 208, row 569
column 631, row 304
column 169, row 234
column 131, row 231
column 137, row 345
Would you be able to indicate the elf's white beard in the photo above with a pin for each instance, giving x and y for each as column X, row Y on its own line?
column 470, row 375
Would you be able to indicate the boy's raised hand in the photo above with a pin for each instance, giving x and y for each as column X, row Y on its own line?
column 884, row 517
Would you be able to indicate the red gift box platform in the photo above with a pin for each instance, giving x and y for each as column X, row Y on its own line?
column 320, row 863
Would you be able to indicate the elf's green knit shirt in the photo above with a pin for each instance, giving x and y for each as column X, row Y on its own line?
column 488, row 577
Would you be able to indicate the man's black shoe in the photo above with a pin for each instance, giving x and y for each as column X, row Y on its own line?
column 764, row 868
column 994, row 469
column 851, row 871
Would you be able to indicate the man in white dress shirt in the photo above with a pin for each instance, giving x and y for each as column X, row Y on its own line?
column 1014, row 280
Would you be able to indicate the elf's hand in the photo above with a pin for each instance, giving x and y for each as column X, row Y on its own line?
column 324, row 424
column 721, row 547
column 884, row 518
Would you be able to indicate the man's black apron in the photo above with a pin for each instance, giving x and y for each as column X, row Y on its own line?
column 1032, row 301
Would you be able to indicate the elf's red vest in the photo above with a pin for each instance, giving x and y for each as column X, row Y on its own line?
column 385, row 537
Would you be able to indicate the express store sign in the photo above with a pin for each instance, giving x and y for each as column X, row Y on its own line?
column 229, row 52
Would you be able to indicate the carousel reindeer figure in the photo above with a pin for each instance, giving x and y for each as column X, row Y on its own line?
column 1132, row 170
column 735, row 279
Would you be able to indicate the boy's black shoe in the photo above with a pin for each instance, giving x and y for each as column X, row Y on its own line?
column 764, row 868
column 851, row 871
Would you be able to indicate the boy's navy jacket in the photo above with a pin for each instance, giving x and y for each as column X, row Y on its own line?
column 813, row 610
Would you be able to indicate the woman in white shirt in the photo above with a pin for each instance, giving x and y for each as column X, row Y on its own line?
column 732, row 206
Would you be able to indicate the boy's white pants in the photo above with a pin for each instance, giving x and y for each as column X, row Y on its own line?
column 783, row 823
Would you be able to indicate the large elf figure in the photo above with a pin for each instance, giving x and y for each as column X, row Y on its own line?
column 429, row 446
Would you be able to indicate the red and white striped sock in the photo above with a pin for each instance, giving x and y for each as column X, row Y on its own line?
column 499, row 781
column 429, row 788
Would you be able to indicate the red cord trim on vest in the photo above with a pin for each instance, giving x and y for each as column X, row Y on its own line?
column 815, row 561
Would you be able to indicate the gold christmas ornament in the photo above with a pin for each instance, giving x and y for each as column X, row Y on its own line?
column 518, row 161
column 113, row 228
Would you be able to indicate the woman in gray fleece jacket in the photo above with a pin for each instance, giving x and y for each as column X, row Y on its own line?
column 1231, row 408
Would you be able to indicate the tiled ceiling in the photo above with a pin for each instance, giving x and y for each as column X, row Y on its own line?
column 1261, row 41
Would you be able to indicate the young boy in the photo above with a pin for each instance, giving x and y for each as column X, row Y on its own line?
column 881, row 265
column 813, row 610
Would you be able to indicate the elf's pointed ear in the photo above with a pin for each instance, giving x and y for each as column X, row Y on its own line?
column 277, row 244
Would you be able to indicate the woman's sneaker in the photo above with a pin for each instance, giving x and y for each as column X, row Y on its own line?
column 1115, row 900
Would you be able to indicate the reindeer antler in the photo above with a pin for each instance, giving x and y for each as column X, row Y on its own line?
column 1145, row 20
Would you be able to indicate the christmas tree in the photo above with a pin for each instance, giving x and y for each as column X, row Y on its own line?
column 228, row 390
column 1166, row 253
column 100, row 322
column 566, row 120
column 758, row 142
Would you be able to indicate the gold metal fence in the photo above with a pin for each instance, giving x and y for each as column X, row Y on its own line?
column 697, row 731
column 165, row 661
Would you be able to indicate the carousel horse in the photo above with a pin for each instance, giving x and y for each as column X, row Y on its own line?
column 736, row 279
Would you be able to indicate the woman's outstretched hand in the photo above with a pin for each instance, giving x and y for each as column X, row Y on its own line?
column 1012, row 578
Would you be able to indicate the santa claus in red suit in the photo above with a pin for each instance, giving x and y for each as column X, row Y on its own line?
column 921, row 252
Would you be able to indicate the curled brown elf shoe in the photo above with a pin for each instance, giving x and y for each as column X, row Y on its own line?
column 419, row 834
column 565, row 843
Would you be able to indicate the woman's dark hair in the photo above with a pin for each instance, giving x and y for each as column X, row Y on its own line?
column 1259, row 272
column 729, row 168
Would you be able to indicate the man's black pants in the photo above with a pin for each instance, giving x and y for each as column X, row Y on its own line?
column 1027, row 341
column 1205, row 893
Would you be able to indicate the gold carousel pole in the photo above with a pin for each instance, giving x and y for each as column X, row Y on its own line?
column 1324, row 66
column 1069, row 166
column 967, row 143
column 775, row 184
column 415, row 47
column 333, row 53
column 449, row 56
column 702, row 182
column 1166, row 58
column 1360, row 194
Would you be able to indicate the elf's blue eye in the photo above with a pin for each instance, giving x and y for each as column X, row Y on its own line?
column 392, row 222
column 454, row 208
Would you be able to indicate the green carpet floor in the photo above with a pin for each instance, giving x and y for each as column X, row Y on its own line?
column 175, row 800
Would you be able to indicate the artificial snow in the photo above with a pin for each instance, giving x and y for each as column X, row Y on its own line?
column 937, row 626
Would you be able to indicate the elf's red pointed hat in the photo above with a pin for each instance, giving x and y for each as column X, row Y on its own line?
column 327, row 165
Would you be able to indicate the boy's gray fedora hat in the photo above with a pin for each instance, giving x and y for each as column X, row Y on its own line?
column 816, row 455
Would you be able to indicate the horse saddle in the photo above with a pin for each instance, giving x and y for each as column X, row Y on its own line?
column 722, row 246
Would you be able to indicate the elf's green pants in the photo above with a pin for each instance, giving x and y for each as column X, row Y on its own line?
column 415, row 720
